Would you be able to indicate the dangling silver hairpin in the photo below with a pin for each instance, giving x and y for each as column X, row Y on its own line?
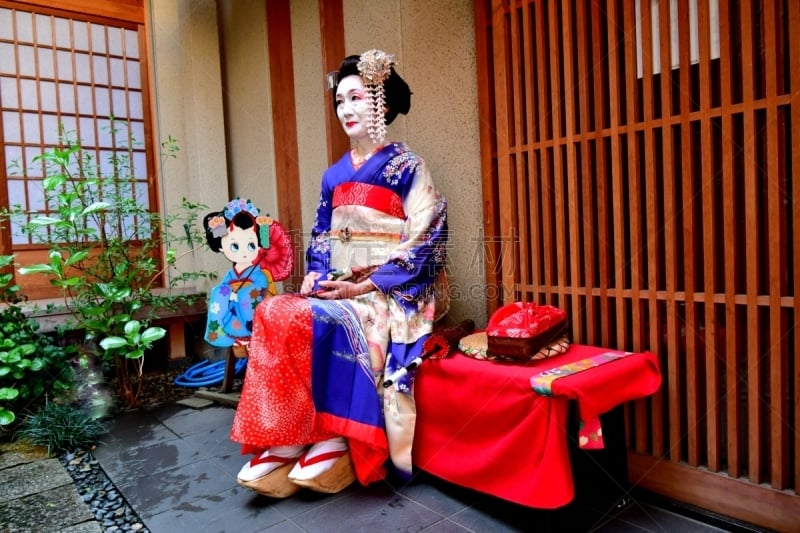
column 375, row 66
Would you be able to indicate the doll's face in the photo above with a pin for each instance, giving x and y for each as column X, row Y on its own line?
column 240, row 246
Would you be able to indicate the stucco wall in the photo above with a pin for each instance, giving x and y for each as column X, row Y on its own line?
column 435, row 46
column 220, row 111
column 186, row 74
column 248, row 107
column 310, row 94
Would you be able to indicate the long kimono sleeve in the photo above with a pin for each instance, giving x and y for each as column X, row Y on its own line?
column 414, row 263
column 318, row 254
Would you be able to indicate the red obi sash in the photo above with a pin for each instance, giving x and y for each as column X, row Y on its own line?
column 374, row 196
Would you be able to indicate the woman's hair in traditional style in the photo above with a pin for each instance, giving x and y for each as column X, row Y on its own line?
column 396, row 90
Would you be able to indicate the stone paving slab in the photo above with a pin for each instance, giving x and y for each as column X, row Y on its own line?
column 195, row 402
column 37, row 494
column 231, row 399
column 12, row 454
column 55, row 509
column 85, row 527
column 31, row 478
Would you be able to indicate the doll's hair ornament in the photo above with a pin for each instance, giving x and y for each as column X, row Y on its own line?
column 238, row 205
column 217, row 226
column 375, row 66
column 264, row 222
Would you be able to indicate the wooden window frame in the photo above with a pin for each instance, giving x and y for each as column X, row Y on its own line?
column 103, row 14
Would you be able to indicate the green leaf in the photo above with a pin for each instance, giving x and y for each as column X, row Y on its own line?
column 111, row 343
column 44, row 221
column 153, row 334
column 7, row 393
column 132, row 327
column 138, row 353
column 53, row 181
column 37, row 269
column 111, row 292
column 77, row 257
column 27, row 348
column 6, row 417
column 96, row 207
column 61, row 284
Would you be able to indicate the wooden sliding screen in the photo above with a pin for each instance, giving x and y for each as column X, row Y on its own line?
column 645, row 164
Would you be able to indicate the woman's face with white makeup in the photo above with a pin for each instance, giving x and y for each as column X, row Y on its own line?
column 352, row 107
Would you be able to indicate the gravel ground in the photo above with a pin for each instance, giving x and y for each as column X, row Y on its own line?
column 104, row 500
column 106, row 503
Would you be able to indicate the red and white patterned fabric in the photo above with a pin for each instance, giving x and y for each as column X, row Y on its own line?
column 524, row 320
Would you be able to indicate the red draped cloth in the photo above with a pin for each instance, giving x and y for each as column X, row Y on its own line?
column 480, row 424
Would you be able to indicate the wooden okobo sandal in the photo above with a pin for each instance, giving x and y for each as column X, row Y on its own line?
column 276, row 484
column 333, row 480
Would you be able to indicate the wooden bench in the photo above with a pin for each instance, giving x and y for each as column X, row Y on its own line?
column 51, row 314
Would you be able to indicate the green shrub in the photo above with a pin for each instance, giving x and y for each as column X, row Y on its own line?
column 60, row 428
column 109, row 251
column 32, row 365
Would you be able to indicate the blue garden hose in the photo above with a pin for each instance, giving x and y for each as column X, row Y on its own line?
column 206, row 373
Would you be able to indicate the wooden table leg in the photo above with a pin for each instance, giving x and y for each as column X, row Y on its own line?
column 230, row 372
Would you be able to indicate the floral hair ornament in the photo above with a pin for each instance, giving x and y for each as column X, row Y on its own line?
column 217, row 226
column 264, row 222
column 375, row 66
column 238, row 205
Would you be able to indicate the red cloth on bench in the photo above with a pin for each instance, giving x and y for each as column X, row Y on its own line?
column 480, row 425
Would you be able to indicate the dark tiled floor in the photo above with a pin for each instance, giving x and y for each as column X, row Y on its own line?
column 177, row 468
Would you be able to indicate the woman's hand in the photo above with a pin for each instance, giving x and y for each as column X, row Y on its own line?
column 337, row 290
column 308, row 282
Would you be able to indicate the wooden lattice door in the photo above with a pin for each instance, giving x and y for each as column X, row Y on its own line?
column 649, row 151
